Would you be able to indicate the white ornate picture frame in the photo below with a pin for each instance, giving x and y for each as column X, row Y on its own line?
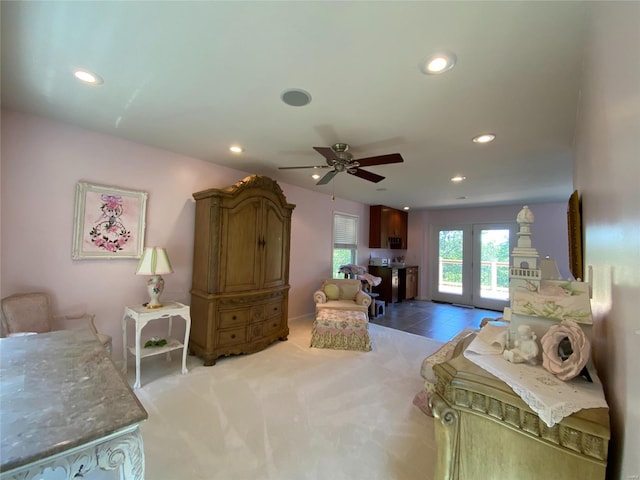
column 109, row 222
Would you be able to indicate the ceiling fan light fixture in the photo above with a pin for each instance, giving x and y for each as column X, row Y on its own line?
column 340, row 160
column 438, row 63
column 484, row 138
column 88, row 77
column 296, row 97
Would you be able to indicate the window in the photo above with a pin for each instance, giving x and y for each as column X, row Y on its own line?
column 345, row 241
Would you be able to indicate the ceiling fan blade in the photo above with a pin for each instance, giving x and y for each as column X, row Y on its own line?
column 326, row 152
column 308, row 166
column 327, row 178
column 372, row 177
column 380, row 160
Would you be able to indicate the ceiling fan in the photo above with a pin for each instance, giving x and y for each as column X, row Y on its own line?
column 339, row 159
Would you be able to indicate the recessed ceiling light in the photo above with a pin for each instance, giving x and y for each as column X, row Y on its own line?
column 315, row 176
column 236, row 149
column 461, row 198
column 438, row 63
column 296, row 97
column 458, row 178
column 382, row 189
column 484, row 138
column 405, row 208
column 87, row 77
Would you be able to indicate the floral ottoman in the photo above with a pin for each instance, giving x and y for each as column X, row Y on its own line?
column 341, row 329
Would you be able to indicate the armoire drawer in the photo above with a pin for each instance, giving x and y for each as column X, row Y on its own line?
column 244, row 316
column 272, row 325
column 232, row 336
column 234, row 318
column 273, row 309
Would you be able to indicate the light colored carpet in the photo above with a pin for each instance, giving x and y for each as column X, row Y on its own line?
column 291, row 412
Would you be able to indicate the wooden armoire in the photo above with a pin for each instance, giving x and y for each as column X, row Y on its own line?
column 240, row 285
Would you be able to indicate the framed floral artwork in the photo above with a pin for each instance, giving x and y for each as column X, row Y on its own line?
column 109, row 222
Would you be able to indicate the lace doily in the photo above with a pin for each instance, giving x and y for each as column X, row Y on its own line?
column 551, row 398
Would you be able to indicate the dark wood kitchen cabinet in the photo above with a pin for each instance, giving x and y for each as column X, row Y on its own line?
column 388, row 290
column 387, row 227
column 407, row 283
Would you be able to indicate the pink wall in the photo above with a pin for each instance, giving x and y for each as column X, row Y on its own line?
column 41, row 163
column 607, row 173
column 43, row 160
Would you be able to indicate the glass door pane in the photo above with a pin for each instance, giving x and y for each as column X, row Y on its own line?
column 450, row 262
column 491, row 256
column 451, row 272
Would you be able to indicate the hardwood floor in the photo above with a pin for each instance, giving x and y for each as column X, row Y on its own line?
column 433, row 320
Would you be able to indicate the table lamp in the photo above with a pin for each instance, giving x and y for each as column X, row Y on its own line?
column 154, row 262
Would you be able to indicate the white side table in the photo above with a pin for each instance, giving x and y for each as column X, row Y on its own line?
column 142, row 315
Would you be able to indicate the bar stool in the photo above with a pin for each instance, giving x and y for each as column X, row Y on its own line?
column 372, row 307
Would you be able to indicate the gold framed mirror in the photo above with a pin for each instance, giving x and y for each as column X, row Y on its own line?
column 574, row 223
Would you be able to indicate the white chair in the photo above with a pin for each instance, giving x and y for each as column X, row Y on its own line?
column 30, row 313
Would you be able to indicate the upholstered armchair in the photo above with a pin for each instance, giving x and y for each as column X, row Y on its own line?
column 342, row 294
column 30, row 313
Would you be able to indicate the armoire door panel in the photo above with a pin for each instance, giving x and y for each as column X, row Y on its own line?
column 274, row 261
column 241, row 252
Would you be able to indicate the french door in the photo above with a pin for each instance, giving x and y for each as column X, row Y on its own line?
column 470, row 264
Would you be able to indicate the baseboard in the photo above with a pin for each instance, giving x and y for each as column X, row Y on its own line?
column 306, row 316
column 462, row 305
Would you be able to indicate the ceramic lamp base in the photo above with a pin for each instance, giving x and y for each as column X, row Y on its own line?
column 155, row 286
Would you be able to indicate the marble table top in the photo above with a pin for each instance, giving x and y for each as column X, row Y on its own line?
column 59, row 390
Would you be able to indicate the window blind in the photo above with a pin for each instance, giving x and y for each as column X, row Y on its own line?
column 345, row 231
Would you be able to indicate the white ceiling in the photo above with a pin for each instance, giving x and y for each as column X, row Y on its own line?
column 196, row 77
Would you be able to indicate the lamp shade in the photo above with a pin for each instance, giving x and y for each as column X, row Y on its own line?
column 154, row 261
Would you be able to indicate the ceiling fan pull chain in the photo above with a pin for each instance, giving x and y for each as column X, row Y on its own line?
column 333, row 191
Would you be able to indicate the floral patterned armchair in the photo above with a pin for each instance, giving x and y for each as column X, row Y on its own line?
column 342, row 294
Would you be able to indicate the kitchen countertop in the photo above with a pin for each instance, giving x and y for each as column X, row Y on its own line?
column 393, row 266
column 59, row 390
